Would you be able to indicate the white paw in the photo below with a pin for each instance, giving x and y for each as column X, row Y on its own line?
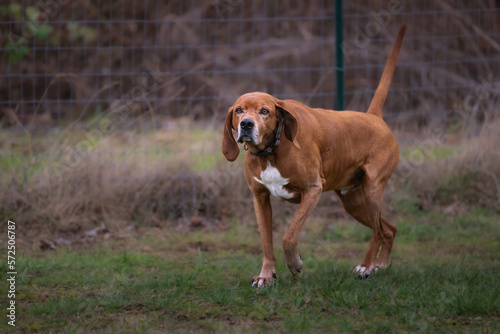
column 363, row 271
column 260, row 282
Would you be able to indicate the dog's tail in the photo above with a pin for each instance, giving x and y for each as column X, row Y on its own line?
column 383, row 87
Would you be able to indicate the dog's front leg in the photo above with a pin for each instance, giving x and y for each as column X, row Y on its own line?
column 264, row 214
column 309, row 199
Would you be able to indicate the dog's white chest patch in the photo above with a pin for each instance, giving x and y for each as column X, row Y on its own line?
column 272, row 179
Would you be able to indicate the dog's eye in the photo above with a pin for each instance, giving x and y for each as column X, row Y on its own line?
column 239, row 111
column 264, row 111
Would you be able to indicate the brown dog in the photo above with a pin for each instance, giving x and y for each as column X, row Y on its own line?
column 296, row 153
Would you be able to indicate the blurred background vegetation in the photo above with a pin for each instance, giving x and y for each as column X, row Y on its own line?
column 111, row 111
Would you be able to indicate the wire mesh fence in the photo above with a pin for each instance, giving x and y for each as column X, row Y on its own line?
column 89, row 87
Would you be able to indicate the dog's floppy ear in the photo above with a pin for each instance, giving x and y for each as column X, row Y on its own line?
column 291, row 124
column 230, row 148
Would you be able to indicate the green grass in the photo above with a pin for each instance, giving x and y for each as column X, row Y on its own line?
column 428, row 153
column 444, row 278
column 190, row 144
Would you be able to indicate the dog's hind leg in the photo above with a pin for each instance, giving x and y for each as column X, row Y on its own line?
column 388, row 235
column 364, row 204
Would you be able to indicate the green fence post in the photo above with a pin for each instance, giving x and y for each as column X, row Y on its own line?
column 340, row 61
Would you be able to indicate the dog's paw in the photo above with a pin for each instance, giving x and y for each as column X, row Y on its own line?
column 295, row 265
column 364, row 271
column 260, row 282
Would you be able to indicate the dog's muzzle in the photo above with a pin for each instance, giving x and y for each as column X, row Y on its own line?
column 246, row 133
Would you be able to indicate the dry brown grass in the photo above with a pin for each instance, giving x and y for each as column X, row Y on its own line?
column 127, row 178
column 177, row 192
column 469, row 176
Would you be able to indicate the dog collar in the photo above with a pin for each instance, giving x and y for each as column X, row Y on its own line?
column 268, row 150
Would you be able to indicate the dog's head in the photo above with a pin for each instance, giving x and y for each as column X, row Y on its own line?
column 255, row 116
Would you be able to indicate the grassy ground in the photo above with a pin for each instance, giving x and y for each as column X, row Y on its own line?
column 161, row 271
column 444, row 278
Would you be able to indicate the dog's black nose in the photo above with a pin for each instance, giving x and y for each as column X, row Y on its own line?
column 247, row 124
